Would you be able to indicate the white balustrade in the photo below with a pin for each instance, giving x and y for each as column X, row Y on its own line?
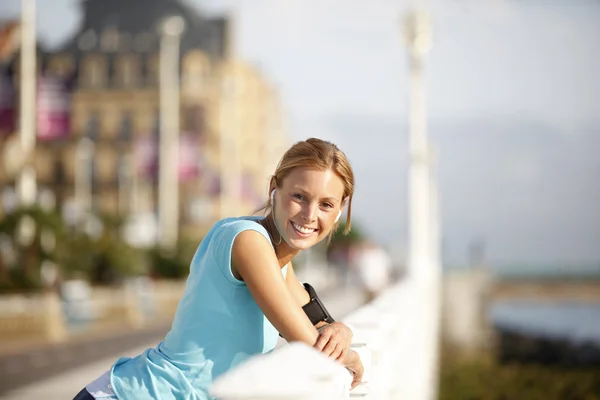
column 298, row 372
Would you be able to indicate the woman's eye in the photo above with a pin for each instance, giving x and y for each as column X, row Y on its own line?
column 328, row 205
column 298, row 196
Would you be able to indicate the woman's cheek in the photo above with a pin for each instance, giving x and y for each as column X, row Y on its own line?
column 292, row 208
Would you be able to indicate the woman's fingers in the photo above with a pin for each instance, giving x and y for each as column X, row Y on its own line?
column 323, row 340
column 357, row 376
column 329, row 348
column 337, row 352
column 343, row 354
column 356, row 380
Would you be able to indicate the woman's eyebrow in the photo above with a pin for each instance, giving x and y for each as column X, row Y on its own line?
column 328, row 198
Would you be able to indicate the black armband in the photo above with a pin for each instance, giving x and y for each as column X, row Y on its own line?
column 315, row 310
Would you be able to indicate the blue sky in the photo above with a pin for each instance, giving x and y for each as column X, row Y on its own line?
column 513, row 99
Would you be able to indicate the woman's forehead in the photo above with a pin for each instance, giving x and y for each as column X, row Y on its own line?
column 315, row 180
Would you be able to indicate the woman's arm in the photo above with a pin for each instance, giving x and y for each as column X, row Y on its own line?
column 296, row 288
column 281, row 301
column 334, row 339
column 252, row 257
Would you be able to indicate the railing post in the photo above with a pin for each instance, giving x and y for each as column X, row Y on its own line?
column 133, row 312
column 54, row 323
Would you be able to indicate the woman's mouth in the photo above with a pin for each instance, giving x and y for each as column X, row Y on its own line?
column 302, row 230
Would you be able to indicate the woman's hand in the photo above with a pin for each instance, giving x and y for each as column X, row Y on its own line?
column 334, row 341
column 354, row 365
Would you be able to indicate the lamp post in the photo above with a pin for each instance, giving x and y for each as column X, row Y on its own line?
column 420, row 223
column 169, row 92
column 84, row 154
column 424, row 264
column 27, row 134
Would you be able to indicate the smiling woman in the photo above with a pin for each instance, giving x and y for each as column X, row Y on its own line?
column 242, row 291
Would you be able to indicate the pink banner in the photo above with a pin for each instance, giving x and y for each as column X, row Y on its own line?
column 53, row 108
column 146, row 156
column 7, row 104
column 189, row 158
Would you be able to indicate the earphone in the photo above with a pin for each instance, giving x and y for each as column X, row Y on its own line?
column 338, row 217
column 273, row 202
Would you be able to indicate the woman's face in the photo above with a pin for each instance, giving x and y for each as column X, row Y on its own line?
column 306, row 206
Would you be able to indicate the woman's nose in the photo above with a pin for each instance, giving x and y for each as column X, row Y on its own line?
column 310, row 212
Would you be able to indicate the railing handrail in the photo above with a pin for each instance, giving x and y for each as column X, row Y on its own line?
column 298, row 372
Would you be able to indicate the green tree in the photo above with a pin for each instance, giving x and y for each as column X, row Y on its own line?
column 47, row 230
column 102, row 258
column 355, row 235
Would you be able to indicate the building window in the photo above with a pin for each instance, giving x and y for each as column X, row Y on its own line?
column 126, row 129
column 127, row 71
column 143, row 42
column 92, row 129
column 94, row 72
column 110, row 40
column 94, row 179
column 196, row 70
column 88, row 40
column 194, row 120
column 60, row 177
column 125, row 42
column 152, row 70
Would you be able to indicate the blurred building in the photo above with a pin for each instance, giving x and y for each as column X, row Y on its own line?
column 102, row 154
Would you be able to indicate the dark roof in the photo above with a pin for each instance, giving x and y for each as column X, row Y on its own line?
column 136, row 17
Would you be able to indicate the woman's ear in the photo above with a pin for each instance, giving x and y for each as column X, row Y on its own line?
column 272, row 186
column 344, row 201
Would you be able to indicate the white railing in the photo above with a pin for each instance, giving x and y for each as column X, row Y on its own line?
column 382, row 337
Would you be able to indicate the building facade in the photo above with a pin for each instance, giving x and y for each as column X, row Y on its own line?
column 104, row 157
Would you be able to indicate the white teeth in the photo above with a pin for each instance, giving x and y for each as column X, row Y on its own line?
column 302, row 229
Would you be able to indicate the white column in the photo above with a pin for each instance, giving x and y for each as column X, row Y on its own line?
column 134, row 203
column 126, row 184
column 27, row 178
column 83, row 177
column 169, row 87
column 419, row 181
column 424, row 265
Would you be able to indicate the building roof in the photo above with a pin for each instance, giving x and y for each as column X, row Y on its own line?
column 137, row 22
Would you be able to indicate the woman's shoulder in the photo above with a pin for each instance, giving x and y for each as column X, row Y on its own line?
column 229, row 228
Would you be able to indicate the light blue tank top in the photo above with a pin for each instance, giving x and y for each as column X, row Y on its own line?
column 217, row 325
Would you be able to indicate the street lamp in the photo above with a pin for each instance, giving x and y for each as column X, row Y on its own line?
column 418, row 38
column 169, row 92
column 27, row 134
column 84, row 158
column 424, row 264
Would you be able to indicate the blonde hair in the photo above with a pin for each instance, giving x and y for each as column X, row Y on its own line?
column 320, row 155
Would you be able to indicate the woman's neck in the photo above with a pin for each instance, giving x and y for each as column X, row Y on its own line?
column 283, row 251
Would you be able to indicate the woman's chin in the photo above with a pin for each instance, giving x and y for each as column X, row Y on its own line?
column 302, row 242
